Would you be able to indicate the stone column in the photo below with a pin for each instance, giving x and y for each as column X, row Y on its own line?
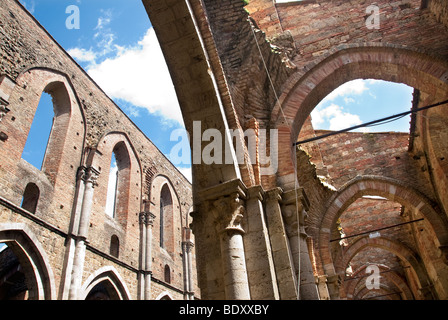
column 146, row 220
column 141, row 276
column 281, row 252
column 228, row 212
column 294, row 209
column 187, row 246
column 88, row 176
column 259, row 261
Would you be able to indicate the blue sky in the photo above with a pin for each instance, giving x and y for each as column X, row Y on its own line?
column 117, row 47
column 360, row 101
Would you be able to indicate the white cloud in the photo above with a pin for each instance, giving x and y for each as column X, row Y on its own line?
column 29, row 5
column 354, row 87
column 104, row 20
column 139, row 75
column 332, row 116
column 83, row 55
column 187, row 173
column 336, row 118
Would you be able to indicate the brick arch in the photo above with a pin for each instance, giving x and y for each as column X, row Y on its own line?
column 68, row 127
column 129, row 178
column 396, row 279
column 307, row 87
column 167, row 228
column 379, row 186
column 401, row 251
column 382, row 290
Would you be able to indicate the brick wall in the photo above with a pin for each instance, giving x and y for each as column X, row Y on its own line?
column 440, row 9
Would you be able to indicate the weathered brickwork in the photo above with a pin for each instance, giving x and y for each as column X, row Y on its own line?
column 79, row 245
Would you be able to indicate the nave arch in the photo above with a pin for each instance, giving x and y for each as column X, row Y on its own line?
column 409, row 258
column 358, row 283
column 374, row 186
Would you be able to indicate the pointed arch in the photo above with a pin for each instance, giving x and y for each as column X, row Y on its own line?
column 126, row 194
column 165, row 296
column 108, row 281
column 33, row 259
column 360, row 276
column 167, row 204
column 405, row 254
column 68, row 125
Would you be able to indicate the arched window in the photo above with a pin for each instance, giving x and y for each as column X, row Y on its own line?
column 118, row 185
column 38, row 136
column 30, row 197
column 167, row 274
column 114, row 246
column 49, row 126
column 166, row 214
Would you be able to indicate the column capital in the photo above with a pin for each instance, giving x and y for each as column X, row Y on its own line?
column 289, row 197
column 228, row 212
column 223, row 189
column 189, row 245
column 274, row 194
column 146, row 218
column 88, row 175
column 256, row 192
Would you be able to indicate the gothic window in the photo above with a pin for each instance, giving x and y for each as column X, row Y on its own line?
column 30, row 197
column 118, row 186
column 45, row 143
column 166, row 216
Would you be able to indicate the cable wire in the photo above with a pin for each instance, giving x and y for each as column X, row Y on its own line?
column 392, row 118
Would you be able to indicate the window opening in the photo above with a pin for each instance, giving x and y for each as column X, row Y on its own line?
column 39, row 134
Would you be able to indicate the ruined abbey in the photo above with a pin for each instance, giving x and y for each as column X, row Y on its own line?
column 287, row 215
